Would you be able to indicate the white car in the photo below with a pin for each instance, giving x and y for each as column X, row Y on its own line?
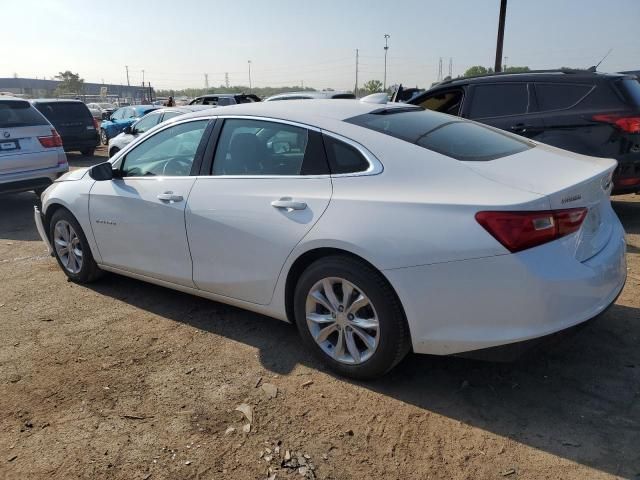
column 31, row 152
column 311, row 95
column 146, row 123
column 377, row 229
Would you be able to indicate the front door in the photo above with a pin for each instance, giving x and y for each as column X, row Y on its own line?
column 138, row 219
column 268, row 187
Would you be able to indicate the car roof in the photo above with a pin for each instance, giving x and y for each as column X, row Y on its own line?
column 55, row 100
column 310, row 94
column 322, row 113
column 12, row 98
column 562, row 75
column 183, row 108
column 223, row 95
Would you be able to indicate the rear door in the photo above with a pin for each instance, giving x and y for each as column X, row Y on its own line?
column 509, row 106
column 268, row 186
column 72, row 120
column 20, row 150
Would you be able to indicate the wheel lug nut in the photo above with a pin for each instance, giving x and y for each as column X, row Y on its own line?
column 341, row 308
column 350, row 316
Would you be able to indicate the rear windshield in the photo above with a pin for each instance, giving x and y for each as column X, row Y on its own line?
column 440, row 133
column 16, row 113
column 631, row 88
column 65, row 112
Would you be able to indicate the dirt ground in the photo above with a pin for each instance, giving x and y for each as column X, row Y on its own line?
column 125, row 380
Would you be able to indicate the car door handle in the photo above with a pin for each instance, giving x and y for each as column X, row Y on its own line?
column 289, row 204
column 169, row 197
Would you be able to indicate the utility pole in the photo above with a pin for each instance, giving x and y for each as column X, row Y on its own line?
column 439, row 69
column 143, row 78
column 504, row 65
column 355, row 90
column 226, row 79
column 503, row 14
column 450, row 67
column 250, row 87
column 206, row 81
column 126, row 67
column 150, row 92
column 386, row 50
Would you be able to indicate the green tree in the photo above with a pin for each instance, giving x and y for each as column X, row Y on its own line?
column 477, row 70
column 517, row 69
column 69, row 83
column 373, row 86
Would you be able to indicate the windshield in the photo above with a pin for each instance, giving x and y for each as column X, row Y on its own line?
column 16, row 113
column 455, row 138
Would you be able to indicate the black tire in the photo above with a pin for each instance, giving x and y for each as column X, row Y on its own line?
column 39, row 191
column 89, row 270
column 113, row 151
column 393, row 340
column 88, row 151
column 103, row 137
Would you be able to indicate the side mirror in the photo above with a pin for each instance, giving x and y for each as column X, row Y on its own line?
column 128, row 130
column 102, row 171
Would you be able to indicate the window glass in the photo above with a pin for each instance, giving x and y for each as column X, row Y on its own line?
column 147, row 122
column 458, row 139
column 222, row 101
column 130, row 113
column 65, row 112
column 210, row 101
column 17, row 113
column 445, row 102
column 118, row 114
column 170, row 152
column 169, row 115
column 343, row 158
column 631, row 88
column 556, row 96
column 257, row 147
column 499, row 99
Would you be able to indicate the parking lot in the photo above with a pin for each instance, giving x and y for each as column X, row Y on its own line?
column 125, row 380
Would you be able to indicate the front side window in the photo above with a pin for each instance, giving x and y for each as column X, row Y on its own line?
column 170, row 152
column 131, row 113
column 169, row 115
column 459, row 139
column 210, row 101
column 257, row 147
column 146, row 123
column 499, row 99
column 445, row 102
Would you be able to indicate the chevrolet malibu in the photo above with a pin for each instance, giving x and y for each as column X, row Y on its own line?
column 376, row 229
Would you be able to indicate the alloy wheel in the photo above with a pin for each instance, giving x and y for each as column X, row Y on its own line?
column 342, row 320
column 68, row 246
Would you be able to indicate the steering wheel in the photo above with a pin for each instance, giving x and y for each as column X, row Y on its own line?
column 178, row 166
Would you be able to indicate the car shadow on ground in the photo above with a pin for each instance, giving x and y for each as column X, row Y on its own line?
column 579, row 399
column 629, row 214
column 76, row 159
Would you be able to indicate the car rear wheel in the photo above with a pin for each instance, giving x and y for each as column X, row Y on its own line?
column 349, row 316
column 103, row 137
column 71, row 248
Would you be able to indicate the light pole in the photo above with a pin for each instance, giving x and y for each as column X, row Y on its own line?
column 386, row 49
column 503, row 13
column 250, row 88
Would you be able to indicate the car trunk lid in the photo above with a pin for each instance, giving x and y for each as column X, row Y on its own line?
column 568, row 180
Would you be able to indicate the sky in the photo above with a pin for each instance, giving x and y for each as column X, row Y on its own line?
column 293, row 42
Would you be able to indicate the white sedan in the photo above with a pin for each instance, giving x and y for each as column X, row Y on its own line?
column 377, row 229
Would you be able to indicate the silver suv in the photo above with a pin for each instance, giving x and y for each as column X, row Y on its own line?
column 31, row 153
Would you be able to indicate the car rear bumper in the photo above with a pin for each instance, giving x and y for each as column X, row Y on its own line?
column 81, row 144
column 31, row 179
column 469, row 305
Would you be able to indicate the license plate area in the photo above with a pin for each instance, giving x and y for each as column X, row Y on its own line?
column 8, row 145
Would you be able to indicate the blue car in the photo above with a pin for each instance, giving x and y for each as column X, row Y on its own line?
column 121, row 119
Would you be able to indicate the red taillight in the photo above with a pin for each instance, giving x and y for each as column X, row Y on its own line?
column 95, row 124
column 627, row 182
column 52, row 140
column 629, row 124
column 521, row 230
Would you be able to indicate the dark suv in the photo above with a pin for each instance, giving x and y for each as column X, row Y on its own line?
column 73, row 121
column 585, row 112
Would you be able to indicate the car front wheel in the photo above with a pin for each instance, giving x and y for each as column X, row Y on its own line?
column 349, row 316
column 71, row 248
column 103, row 136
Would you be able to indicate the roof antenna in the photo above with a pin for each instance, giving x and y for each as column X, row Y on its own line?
column 595, row 67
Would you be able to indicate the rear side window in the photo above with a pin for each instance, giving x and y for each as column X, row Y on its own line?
column 343, row 158
column 499, row 99
column 558, row 96
column 631, row 89
column 457, row 139
column 445, row 102
column 19, row 114
column 65, row 112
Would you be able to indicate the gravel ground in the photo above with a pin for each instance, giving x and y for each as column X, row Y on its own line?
column 125, row 380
